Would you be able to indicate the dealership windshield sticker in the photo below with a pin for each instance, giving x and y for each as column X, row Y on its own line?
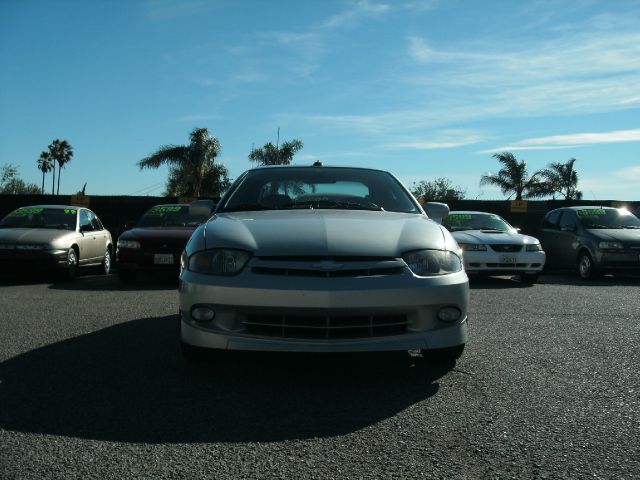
column 25, row 212
column 592, row 212
column 458, row 217
column 70, row 211
column 163, row 210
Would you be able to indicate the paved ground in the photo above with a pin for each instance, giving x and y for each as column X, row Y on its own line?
column 92, row 386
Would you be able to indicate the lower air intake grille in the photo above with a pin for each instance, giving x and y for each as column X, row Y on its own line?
column 326, row 328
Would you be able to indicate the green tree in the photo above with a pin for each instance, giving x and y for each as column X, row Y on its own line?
column 215, row 181
column 11, row 183
column 45, row 164
column 271, row 154
column 562, row 178
column 514, row 177
column 439, row 190
column 191, row 162
column 61, row 153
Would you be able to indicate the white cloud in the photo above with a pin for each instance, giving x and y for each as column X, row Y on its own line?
column 572, row 140
column 353, row 14
column 439, row 141
column 629, row 173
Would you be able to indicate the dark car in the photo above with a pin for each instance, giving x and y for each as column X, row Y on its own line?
column 156, row 242
column 594, row 240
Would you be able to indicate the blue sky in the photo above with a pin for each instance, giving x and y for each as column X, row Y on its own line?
column 423, row 89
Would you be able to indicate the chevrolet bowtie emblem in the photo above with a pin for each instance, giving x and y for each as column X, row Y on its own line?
column 327, row 265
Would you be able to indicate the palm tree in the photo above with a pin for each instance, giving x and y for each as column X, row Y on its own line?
column 271, row 154
column 44, row 165
column 563, row 179
column 196, row 158
column 61, row 152
column 513, row 177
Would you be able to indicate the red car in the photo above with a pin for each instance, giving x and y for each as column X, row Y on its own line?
column 156, row 242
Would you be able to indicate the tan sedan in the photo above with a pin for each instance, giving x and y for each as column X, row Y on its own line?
column 55, row 236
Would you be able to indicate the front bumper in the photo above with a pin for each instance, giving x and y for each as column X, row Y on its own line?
column 32, row 259
column 239, row 299
column 503, row 263
column 148, row 260
column 628, row 261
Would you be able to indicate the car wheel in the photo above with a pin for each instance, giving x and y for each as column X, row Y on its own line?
column 443, row 355
column 71, row 269
column 106, row 263
column 529, row 278
column 127, row 275
column 586, row 267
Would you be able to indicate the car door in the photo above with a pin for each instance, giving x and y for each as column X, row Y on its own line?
column 567, row 239
column 88, row 241
column 100, row 235
column 548, row 236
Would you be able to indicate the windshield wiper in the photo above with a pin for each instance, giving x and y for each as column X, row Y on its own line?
column 633, row 227
column 338, row 204
column 245, row 207
column 598, row 225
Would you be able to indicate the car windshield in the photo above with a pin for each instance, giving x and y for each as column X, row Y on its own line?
column 608, row 218
column 319, row 188
column 170, row 216
column 41, row 217
column 475, row 221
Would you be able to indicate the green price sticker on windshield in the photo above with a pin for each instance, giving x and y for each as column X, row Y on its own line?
column 458, row 217
column 70, row 211
column 25, row 212
column 163, row 210
column 591, row 212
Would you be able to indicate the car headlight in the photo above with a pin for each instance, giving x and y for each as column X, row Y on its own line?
column 607, row 246
column 473, row 247
column 432, row 262
column 128, row 244
column 32, row 246
column 534, row 247
column 218, row 261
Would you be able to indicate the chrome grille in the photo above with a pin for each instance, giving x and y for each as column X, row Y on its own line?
column 327, row 267
column 325, row 327
column 505, row 247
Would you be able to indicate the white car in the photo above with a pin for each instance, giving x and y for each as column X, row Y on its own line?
column 493, row 247
column 322, row 259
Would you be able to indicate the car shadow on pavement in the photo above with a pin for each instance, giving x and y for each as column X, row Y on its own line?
column 128, row 383
column 572, row 278
column 492, row 283
column 112, row 283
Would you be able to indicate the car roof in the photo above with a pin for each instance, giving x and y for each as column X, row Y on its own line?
column 584, row 207
column 313, row 167
column 471, row 211
column 59, row 207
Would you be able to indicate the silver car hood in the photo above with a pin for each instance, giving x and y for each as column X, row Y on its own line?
column 34, row 235
column 322, row 232
column 489, row 237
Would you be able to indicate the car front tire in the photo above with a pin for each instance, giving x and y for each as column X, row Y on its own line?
column 107, row 262
column 71, row 269
column 586, row 268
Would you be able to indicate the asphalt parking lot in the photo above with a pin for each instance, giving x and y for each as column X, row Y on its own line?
column 92, row 385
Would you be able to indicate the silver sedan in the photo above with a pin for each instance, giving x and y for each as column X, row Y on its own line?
column 55, row 236
column 322, row 259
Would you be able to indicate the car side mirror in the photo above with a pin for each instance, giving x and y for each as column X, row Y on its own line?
column 201, row 207
column 86, row 228
column 436, row 211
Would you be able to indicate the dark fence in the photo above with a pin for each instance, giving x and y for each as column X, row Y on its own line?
column 116, row 211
